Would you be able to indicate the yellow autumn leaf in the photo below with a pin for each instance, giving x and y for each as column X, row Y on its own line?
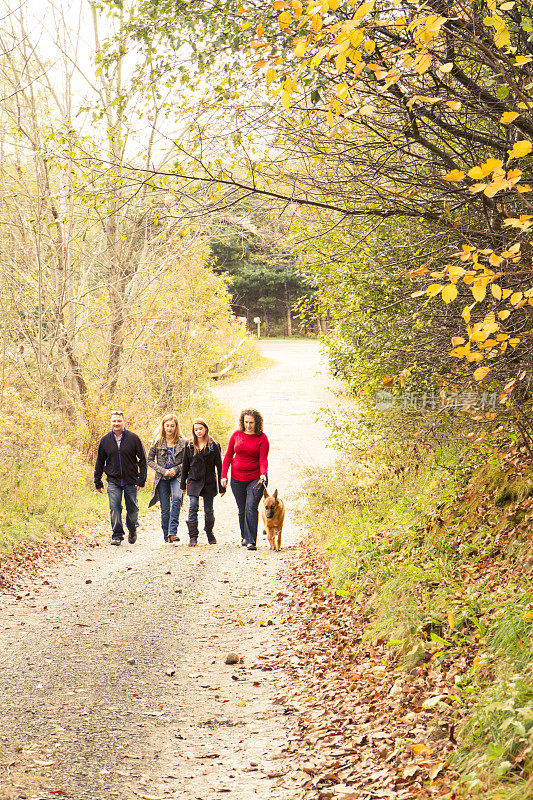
column 482, row 170
column 422, row 63
column 449, row 293
column 419, row 748
column 455, row 105
column 340, row 62
column 284, row 19
column 476, row 173
column 318, row 57
column 300, row 47
column 492, row 164
column 342, row 91
column 271, row 75
column 503, row 314
column 316, row 22
column 433, row 289
column 480, row 373
column 528, row 616
column 525, row 187
column 477, row 187
column 356, row 37
column 520, row 60
column 285, row 100
column 446, row 67
column 454, row 175
column 502, row 38
column 466, row 315
column 495, row 187
column 363, row 10
column 508, row 116
column 521, row 148
column 479, row 291
column 496, row 291
column 515, row 298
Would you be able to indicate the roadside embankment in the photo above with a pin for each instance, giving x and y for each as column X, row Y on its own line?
column 417, row 604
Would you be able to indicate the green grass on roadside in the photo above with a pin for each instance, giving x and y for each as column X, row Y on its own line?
column 434, row 552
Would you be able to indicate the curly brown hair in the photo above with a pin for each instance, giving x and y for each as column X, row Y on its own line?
column 258, row 418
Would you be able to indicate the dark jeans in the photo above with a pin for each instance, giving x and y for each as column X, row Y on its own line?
column 114, row 493
column 248, row 495
column 209, row 512
column 171, row 499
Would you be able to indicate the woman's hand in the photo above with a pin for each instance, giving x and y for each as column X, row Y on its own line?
column 170, row 473
column 224, row 482
column 263, row 478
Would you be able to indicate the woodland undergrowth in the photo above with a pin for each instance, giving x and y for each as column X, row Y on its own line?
column 434, row 549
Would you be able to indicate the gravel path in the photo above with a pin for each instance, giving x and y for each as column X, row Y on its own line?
column 113, row 682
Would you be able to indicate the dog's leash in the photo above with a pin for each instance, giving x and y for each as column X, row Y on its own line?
column 258, row 487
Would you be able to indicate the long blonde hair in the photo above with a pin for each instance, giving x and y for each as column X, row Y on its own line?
column 194, row 439
column 159, row 433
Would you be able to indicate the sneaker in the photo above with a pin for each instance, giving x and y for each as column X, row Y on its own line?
column 252, row 546
column 132, row 537
column 173, row 538
column 243, row 542
column 116, row 540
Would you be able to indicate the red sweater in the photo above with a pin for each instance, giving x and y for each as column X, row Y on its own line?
column 247, row 454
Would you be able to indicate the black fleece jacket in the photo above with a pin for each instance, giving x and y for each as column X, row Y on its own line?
column 126, row 467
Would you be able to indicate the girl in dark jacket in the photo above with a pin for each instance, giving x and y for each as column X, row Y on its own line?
column 200, row 460
column 165, row 457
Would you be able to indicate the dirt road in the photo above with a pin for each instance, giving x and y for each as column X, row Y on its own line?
column 113, row 682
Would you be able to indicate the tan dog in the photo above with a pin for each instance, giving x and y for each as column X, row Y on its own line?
column 273, row 514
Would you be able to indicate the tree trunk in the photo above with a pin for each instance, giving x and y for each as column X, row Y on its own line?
column 288, row 311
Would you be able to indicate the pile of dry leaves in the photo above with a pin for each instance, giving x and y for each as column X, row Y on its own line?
column 362, row 727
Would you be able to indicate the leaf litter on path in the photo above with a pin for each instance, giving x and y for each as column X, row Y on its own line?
column 358, row 727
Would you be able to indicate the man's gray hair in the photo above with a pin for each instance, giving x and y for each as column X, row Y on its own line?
column 117, row 414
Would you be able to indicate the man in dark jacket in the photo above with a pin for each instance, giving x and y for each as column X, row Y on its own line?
column 121, row 456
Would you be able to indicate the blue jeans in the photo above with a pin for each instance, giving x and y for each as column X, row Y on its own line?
column 209, row 512
column 114, row 493
column 248, row 495
column 171, row 499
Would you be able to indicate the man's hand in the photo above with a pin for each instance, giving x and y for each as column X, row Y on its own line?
column 99, row 489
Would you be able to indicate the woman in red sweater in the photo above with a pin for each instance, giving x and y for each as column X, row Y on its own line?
column 247, row 455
